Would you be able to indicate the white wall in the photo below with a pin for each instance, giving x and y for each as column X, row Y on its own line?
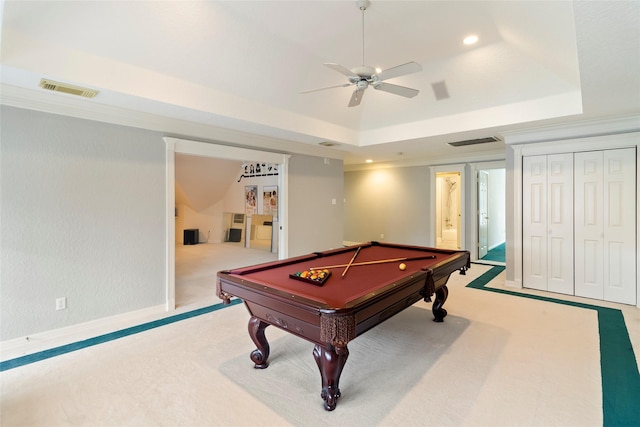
column 315, row 222
column 82, row 217
column 393, row 202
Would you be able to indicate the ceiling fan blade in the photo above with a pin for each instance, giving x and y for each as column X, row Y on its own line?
column 342, row 70
column 356, row 98
column 396, row 90
column 400, row 70
column 325, row 88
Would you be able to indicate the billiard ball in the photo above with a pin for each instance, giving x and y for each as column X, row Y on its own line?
column 402, row 266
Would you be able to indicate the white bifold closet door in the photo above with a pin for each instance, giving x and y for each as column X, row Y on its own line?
column 605, row 229
column 548, row 223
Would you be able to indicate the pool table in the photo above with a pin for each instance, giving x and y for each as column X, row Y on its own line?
column 367, row 285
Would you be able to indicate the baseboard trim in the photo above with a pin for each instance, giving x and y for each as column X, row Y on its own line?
column 513, row 284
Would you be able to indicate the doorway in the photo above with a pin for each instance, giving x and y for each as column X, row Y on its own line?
column 447, row 203
column 490, row 223
column 196, row 148
column 448, row 210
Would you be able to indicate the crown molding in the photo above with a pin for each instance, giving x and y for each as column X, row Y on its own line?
column 579, row 129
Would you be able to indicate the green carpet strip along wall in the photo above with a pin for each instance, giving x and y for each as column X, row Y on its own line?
column 618, row 366
column 57, row 351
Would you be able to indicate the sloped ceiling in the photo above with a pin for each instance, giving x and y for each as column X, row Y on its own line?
column 201, row 182
column 232, row 71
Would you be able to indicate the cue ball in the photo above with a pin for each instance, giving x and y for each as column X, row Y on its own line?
column 402, row 266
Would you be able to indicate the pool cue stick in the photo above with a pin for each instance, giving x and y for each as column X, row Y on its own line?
column 380, row 261
column 351, row 262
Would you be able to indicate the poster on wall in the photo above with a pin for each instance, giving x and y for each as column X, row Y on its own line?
column 270, row 200
column 251, row 198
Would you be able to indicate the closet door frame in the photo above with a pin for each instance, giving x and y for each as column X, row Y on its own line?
column 558, row 146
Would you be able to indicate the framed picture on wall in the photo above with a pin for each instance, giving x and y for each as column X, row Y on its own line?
column 251, row 199
column 270, row 200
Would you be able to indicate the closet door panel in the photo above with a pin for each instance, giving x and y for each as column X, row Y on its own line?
column 620, row 226
column 534, row 241
column 560, row 223
column 589, row 235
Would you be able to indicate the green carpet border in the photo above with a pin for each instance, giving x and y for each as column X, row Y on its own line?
column 68, row 348
column 618, row 365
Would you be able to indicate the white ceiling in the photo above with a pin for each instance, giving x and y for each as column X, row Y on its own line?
column 232, row 71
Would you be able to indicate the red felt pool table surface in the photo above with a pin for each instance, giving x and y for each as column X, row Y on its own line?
column 359, row 282
column 344, row 307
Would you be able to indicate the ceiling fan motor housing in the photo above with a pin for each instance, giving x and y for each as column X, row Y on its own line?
column 363, row 4
column 364, row 71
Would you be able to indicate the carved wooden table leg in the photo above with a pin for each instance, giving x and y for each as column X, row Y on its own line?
column 441, row 296
column 330, row 361
column 260, row 355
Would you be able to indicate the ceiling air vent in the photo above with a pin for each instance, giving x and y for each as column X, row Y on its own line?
column 67, row 88
column 440, row 90
column 328, row 144
column 474, row 141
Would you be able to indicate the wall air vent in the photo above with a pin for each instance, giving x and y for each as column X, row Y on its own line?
column 474, row 141
column 67, row 88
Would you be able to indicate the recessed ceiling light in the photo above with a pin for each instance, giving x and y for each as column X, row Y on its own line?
column 369, row 161
column 472, row 39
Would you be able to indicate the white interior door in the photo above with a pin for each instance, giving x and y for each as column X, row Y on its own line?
column 483, row 213
column 560, row 223
column 534, row 222
column 605, row 244
column 589, row 225
column 620, row 259
column 547, row 245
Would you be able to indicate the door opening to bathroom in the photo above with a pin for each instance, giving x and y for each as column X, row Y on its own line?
column 448, row 210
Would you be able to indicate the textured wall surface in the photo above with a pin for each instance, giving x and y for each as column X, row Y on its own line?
column 393, row 202
column 82, row 217
column 315, row 223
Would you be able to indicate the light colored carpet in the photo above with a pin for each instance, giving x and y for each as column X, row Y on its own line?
column 197, row 265
column 497, row 360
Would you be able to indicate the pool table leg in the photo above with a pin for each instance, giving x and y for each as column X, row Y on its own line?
column 330, row 361
column 440, row 313
column 260, row 355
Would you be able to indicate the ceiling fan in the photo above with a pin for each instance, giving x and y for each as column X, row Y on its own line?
column 365, row 76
